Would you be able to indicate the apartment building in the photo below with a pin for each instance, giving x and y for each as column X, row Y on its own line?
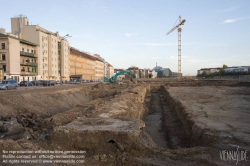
column 1, row 74
column 53, row 55
column 99, row 67
column 18, row 57
column 106, row 69
column 82, row 63
column 237, row 69
column 110, row 71
column 208, row 70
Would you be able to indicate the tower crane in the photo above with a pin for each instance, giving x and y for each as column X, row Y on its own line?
column 181, row 22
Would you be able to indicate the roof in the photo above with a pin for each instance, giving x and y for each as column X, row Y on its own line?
column 97, row 59
column 21, row 40
column 109, row 65
column 83, row 54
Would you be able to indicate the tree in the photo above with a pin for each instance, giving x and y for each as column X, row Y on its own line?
column 224, row 66
column 133, row 75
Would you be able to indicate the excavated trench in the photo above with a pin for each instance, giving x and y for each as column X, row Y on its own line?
column 163, row 124
column 135, row 124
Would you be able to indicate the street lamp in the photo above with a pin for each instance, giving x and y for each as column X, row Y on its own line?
column 64, row 37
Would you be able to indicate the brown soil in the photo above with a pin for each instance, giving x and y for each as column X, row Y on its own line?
column 128, row 124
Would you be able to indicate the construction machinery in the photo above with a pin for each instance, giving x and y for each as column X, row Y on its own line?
column 113, row 79
column 178, row 26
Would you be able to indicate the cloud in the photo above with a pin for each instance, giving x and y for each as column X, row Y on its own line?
column 130, row 34
column 216, row 45
column 85, row 37
column 155, row 57
column 227, row 10
column 159, row 44
column 234, row 20
column 185, row 59
column 167, row 44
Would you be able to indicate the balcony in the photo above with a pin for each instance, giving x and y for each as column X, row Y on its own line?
column 29, row 64
column 27, row 54
column 27, row 73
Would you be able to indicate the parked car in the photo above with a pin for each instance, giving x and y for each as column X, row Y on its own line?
column 8, row 84
column 37, row 82
column 55, row 82
column 74, row 82
column 48, row 83
column 26, row 83
column 84, row 81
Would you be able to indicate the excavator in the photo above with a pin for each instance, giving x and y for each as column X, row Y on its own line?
column 113, row 79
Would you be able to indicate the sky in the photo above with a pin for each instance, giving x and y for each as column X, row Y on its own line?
column 133, row 32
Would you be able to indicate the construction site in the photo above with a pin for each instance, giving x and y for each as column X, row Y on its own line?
column 143, row 123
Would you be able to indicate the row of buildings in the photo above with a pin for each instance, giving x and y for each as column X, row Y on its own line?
column 233, row 69
column 30, row 52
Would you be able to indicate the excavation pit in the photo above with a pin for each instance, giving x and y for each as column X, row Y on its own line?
column 99, row 135
column 186, row 123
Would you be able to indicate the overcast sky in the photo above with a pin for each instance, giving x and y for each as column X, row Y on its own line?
column 133, row 32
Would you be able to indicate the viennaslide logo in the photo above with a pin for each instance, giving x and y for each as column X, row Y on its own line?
column 233, row 155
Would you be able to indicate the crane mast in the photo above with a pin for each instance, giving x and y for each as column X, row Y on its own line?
column 178, row 27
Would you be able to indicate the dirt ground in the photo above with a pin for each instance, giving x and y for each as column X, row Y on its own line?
column 225, row 111
column 128, row 124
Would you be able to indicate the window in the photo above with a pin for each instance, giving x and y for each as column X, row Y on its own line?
column 3, row 45
column 28, row 50
column 4, row 67
column 22, row 49
column 31, row 51
column 3, row 57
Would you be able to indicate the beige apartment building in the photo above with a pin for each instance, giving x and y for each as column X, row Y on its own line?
column 82, row 64
column 53, row 52
column 110, row 70
column 18, row 58
column 1, row 74
column 99, row 67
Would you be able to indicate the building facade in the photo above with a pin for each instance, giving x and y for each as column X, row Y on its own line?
column 111, row 71
column 53, row 55
column 1, row 74
column 99, row 67
column 82, row 63
column 164, row 72
column 18, row 58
